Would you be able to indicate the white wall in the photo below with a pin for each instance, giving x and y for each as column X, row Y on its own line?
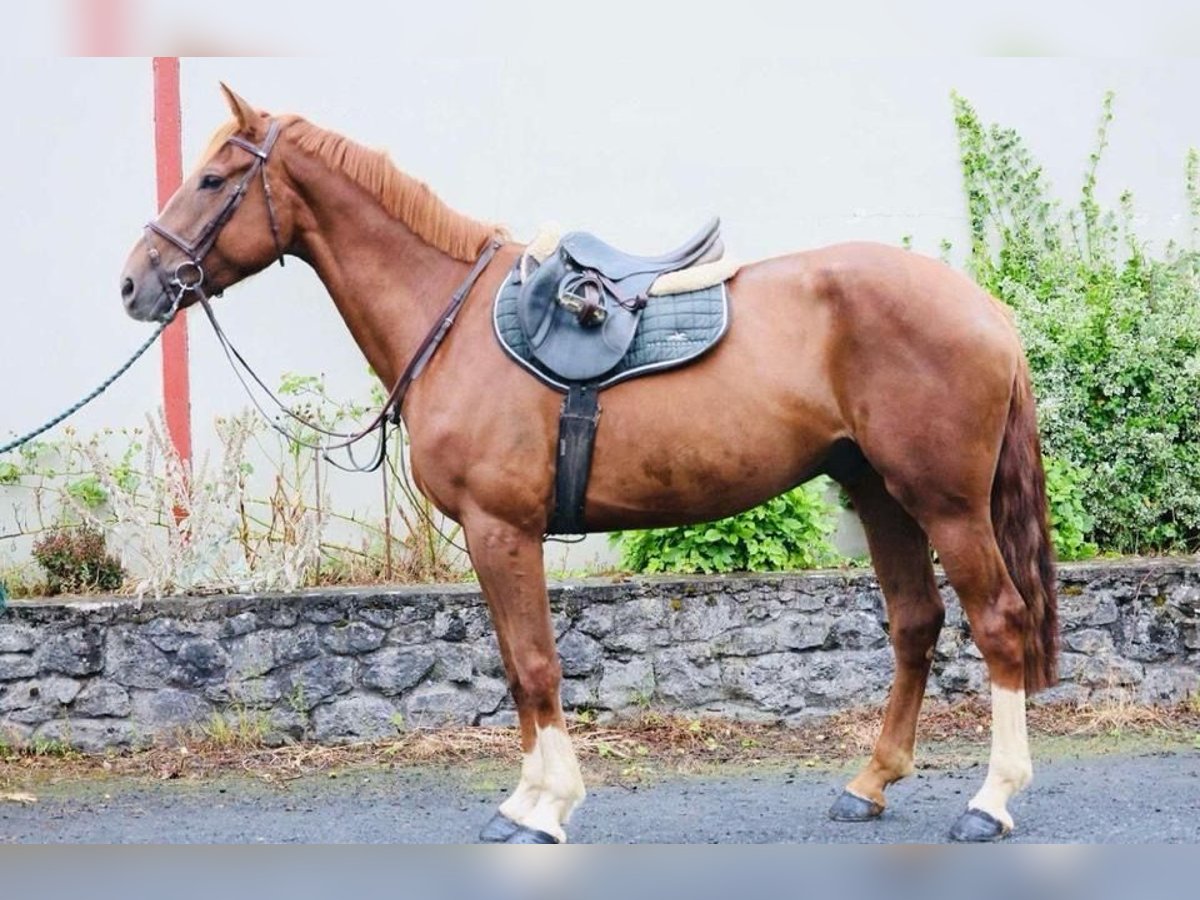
column 791, row 153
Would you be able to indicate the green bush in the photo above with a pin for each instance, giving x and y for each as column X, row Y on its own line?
column 1070, row 523
column 76, row 561
column 1112, row 333
column 789, row 532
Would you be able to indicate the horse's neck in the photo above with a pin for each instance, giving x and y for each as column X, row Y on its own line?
column 388, row 284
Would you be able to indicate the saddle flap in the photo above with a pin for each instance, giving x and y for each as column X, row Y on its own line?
column 556, row 337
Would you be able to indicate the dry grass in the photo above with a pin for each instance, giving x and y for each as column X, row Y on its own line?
column 651, row 744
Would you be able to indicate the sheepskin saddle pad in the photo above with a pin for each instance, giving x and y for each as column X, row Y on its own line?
column 577, row 310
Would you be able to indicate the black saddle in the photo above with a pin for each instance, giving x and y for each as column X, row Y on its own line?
column 579, row 310
column 618, row 266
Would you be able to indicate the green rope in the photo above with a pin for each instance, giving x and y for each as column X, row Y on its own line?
column 70, row 411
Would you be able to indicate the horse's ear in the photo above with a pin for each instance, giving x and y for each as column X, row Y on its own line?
column 247, row 116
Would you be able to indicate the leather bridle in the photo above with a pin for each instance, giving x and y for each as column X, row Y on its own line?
column 188, row 276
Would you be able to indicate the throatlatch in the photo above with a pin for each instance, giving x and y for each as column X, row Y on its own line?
column 576, row 438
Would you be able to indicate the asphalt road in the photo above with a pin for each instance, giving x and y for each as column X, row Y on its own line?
column 1122, row 799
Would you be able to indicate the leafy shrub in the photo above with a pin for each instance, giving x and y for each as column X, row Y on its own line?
column 1070, row 523
column 1112, row 333
column 10, row 472
column 76, row 560
column 789, row 532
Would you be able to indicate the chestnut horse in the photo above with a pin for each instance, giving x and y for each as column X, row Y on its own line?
column 887, row 370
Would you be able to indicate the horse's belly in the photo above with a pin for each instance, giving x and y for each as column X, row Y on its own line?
column 667, row 457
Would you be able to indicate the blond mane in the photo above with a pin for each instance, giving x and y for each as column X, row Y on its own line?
column 403, row 197
column 217, row 141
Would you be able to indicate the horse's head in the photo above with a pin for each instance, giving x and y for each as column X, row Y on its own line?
column 229, row 219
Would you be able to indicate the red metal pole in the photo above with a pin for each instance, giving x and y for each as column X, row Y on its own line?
column 168, row 146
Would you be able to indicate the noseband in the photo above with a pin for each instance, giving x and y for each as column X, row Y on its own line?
column 189, row 274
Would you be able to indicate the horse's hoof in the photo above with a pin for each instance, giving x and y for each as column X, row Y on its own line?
column 498, row 829
column 525, row 835
column 977, row 827
column 852, row 808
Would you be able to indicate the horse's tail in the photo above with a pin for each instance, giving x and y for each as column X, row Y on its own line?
column 1019, row 518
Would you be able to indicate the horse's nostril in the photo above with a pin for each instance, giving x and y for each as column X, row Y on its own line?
column 127, row 288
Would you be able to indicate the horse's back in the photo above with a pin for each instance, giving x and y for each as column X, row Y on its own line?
column 867, row 280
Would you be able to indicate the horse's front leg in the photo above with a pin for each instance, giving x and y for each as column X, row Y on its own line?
column 510, row 568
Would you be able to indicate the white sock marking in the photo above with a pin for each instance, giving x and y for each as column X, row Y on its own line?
column 551, row 785
column 1010, row 768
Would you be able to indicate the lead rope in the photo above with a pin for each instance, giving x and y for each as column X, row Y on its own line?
column 194, row 255
column 104, row 385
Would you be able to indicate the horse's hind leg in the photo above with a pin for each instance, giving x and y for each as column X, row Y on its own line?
column 998, row 616
column 509, row 564
column 900, row 553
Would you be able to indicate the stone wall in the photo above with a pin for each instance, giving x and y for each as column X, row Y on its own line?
column 350, row 665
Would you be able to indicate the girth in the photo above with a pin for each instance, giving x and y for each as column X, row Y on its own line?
column 577, row 422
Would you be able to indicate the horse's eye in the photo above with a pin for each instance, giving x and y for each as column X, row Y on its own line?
column 211, row 182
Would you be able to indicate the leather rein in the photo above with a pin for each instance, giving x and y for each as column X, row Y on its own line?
column 188, row 278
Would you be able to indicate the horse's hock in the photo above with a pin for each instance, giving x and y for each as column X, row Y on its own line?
column 351, row 665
